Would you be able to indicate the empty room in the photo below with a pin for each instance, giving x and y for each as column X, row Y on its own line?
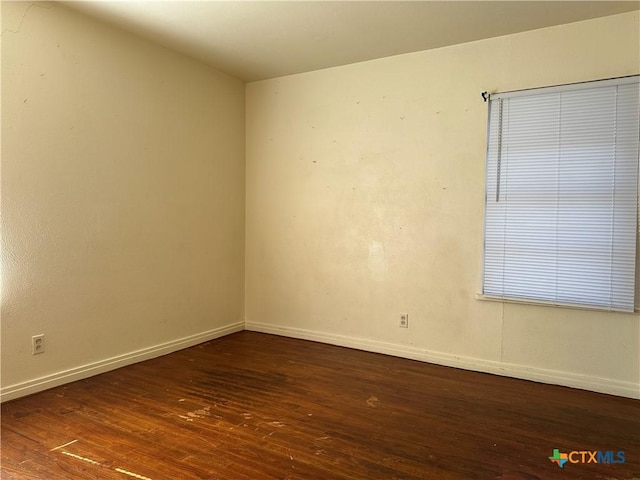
column 320, row 240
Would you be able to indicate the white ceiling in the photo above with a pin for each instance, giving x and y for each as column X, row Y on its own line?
column 255, row 40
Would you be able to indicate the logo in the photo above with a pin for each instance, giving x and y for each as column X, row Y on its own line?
column 586, row 456
column 559, row 458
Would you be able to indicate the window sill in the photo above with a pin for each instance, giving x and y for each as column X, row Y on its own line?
column 487, row 298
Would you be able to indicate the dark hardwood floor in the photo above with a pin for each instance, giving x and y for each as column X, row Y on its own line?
column 255, row 406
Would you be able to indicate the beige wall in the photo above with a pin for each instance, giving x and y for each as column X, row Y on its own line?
column 123, row 204
column 365, row 191
column 122, row 198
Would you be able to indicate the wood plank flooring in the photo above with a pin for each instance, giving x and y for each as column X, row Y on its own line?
column 255, row 406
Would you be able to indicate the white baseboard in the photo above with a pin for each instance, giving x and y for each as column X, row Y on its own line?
column 11, row 392
column 567, row 379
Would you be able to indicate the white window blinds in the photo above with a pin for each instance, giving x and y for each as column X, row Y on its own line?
column 562, row 194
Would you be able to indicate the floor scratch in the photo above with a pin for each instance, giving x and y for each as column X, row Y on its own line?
column 131, row 474
column 84, row 459
column 99, row 464
column 65, row 445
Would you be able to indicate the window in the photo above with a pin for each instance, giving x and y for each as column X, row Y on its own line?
column 562, row 194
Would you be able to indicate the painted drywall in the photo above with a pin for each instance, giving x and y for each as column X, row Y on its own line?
column 122, row 198
column 365, row 197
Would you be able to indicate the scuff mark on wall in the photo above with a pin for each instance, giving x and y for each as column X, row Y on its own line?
column 377, row 261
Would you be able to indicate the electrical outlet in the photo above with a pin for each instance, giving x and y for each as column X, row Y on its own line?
column 404, row 320
column 37, row 344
